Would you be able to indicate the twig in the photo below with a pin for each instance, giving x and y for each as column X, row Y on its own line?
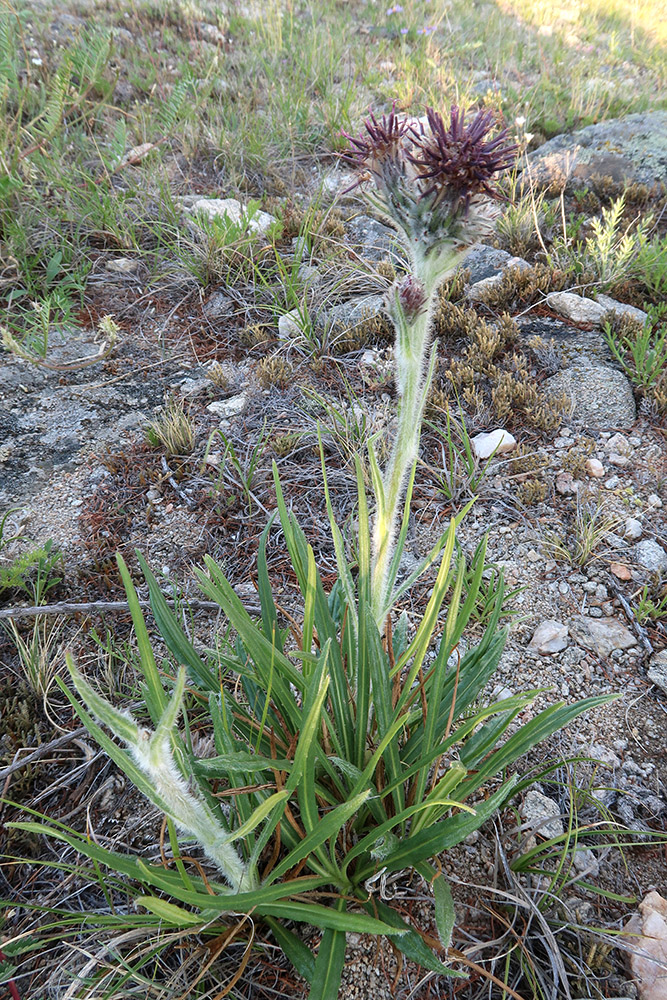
column 641, row 632
column 41, row 751
column 69, row 608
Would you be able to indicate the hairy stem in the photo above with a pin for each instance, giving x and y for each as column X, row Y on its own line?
column 413, row 339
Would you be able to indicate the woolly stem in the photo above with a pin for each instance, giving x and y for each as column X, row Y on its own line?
column 413, row 338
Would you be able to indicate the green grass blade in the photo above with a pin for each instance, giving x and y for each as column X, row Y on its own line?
column 344, row 574
column 309, row 608
column 385, row 715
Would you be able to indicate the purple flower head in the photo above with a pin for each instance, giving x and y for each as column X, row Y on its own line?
column 382, row 147
column 396, row 9
column 457, row 162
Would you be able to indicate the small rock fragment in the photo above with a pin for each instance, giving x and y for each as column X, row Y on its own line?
column 226, row 408
column 585, row 861
column 657, row 670
column 346, row 315
column 651, row 556
column 566, row 484
column 632, row 529
column 602, row 635
column 290, row 325
column 233, row 211
column 218, row 306
column 621, row 571
column 549, row 637
column 646, row 935
column 594, row 468
column 541, row 814
column 122, row 265
column 478, row 290
column 621, row 308
column 575, row 307
column 618, row 443
column 497, row 442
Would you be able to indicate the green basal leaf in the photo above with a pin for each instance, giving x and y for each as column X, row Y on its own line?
column 298, row 953
column 259, row 814
column 446, row 833
column 267, row 604
column 327, row 916
column 169, row 912
column 174, row 637
column 326, row 830
column 239, row 761
column 445, row 915
column 155, row 696
column 328, row 971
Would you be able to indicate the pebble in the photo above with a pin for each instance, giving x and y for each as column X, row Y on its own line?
column 234, row 212
column 290, row 325
column 602, row 635
column 122, row 265
column 542, row 814
column 498, row 442
column 575, row 307
column 218, row 306
column 651, row 556
column 620, row 461
column 594, row 468
column 618, row 443
column 310, row 274
column 657, row 670
column 585, row 861
column 549, row 637
column 612, row 483
column 566, row 484
column 632, row 528
column 478, row 290
column 647, row 946
column 225, row 408
column 621, row 571
column 654, row 501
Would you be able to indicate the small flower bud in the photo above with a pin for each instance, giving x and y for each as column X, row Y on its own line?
column 411, row 296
